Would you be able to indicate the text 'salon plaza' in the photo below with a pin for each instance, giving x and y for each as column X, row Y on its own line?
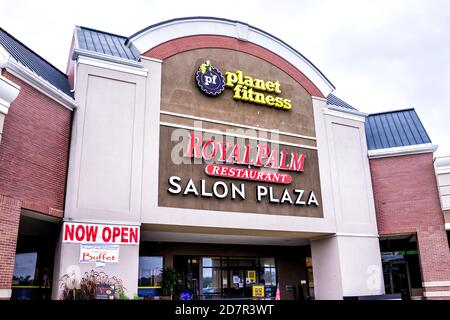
column 214, row 151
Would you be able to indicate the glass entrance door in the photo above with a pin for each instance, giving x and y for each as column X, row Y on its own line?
column 189, row 271
column 237, row 285
column 226, row 277
column 396, row 278
column 400, row 278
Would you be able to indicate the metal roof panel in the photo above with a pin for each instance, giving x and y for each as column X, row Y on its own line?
column 106, row 43
column 333, row 100
column 395, row 129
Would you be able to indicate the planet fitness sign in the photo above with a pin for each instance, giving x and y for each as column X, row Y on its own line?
column 246, row 88
column 209, row 79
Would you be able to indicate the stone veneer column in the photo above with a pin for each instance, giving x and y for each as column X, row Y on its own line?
column 347, row 263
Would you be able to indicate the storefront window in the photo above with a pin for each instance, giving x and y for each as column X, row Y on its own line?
column 247, row 262
column 269, row 276
column 211, row 280
column 211, row 262
column 24, row 269
column 212, row 275
column 150, row 271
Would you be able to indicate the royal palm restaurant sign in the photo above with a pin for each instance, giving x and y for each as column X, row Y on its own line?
column 231, row 153
column 254, row 162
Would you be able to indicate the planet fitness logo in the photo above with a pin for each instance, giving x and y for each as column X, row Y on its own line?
column 209, row 79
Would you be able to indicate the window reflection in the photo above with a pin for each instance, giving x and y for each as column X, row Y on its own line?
column 211, row 280
column 211, row 262
column 150, row 271
column 269, row 276
column 25, row 269
column 267, row 262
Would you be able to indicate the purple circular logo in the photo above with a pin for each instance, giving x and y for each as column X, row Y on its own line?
column 209, row 79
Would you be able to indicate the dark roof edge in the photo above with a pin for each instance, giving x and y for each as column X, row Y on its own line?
column 32, row 51
column 391, row 111
column 342, row 104
column 233, row 21
column 97, row 30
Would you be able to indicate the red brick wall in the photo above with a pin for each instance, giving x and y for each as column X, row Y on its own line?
column 34, row 154
column 407, row 201
column 9, row 226
column 34, row 151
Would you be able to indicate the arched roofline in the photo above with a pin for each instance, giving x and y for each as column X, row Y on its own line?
column 163, row 32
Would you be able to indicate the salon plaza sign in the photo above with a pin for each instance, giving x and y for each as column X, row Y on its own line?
column 255, row 162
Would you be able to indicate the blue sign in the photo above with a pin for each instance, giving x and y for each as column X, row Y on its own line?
column 209, row 79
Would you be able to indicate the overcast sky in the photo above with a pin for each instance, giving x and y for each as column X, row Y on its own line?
column 380, row 55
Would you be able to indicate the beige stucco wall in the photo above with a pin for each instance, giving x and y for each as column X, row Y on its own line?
column 348, row 262
column 67, row 263
column 105, row 167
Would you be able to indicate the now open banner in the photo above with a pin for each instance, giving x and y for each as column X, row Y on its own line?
column 100, row 233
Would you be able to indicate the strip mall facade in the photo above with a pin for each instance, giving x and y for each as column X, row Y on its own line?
column 213, row 147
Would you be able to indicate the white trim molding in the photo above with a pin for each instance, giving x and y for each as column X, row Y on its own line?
column 345, row 234
column 151, row 59
column 447, row 226
column 233, row 124
column 96, row 221
column 402, row 151
column 436, row 294
column 183, row 27
column 22, row 72
column 106, row 57
column 111, row 65
column 349, row 111
column 335, row 112
column 443, row 170
column 218, row 132
column 5, row 293
column 442, row 164
column 8, row 93
column 431, row 284
column 319, row 98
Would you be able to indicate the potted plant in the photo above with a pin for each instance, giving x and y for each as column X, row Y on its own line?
column 169, row 282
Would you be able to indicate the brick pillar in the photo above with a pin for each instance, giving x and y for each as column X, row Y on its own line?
column 9, row 229
column 435, row 261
